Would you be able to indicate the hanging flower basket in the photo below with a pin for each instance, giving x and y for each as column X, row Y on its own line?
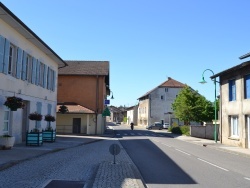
column 35, row 116
column 63, row 109
column 13, row 103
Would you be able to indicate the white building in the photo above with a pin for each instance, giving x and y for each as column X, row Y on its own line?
column 28, row 69
column 156, row 105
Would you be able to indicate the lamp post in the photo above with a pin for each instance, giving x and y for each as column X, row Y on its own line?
column 215, row 110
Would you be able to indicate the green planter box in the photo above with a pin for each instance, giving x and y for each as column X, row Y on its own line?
column 34, row 138
column 49, row 136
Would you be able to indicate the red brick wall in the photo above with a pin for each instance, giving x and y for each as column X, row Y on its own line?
column 82, row 90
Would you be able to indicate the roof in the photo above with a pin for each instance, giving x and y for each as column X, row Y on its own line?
column 85, row 68
column 74, row 108
column 7, row 16
column 170, row 83
column 237, row 67
column 245, row 56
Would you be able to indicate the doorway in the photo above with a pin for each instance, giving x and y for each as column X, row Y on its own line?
column 25, row 121
column 76, row 125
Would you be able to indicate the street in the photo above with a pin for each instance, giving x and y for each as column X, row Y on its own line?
column 164, row 161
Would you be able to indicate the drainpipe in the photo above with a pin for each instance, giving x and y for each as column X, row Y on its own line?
column 97, row 102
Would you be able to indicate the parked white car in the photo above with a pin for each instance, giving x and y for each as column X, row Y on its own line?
column 166, row 125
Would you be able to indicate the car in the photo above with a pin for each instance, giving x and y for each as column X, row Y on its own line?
column 166, row 125
column 156, row 125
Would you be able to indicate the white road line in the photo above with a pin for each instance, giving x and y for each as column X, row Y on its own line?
column 182, row 151
column 247, row 178
column 166, row 145
column 213, row 164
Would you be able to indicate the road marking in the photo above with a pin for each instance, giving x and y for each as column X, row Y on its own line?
column 166, row 145
column 247, row 178
column 182, row 151
column 213, row 164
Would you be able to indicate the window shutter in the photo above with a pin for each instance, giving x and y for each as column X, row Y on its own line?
column 39, row 111
column 24, row 73
column 19, row 63
column 45, row 76
column 38, row 72
column 48, row 78
column 53, row 80
column 6, row 56
column 33, row 79
column 49, row 108
column 2, row 42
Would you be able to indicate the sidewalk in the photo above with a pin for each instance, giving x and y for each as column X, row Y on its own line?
column 211, row 143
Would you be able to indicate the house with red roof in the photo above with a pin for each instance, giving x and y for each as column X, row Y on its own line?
column 156, row 104
column 83, row 87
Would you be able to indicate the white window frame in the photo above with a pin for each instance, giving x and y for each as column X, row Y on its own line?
column 234, row 127
column 6, row 110
column 12, row 60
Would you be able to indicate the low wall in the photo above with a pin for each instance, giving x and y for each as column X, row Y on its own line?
column 206, row 131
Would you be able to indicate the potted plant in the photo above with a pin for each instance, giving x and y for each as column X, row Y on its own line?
column 7, row 141
column 49, row 135
column 13, row 103
column 63, row 109
column 34, row 137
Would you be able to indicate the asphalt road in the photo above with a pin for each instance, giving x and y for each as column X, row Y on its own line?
column 168, row 162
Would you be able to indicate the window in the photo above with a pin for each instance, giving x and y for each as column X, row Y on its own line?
column 12, row 60
column 166, row 89
column 42, row 68
column 232, row 90
column 234, row 126
column 6, row 120
column 247, row 87
column 162, row 97
column 50, row 79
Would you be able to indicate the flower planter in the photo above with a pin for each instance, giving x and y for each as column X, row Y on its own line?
column 49, row 135
column 34, row 138
column 7, row 142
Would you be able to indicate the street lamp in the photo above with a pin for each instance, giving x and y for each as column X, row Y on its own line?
column 215, row 110
column 112, row 97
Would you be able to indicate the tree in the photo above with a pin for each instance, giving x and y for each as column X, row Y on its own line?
column 189, row 105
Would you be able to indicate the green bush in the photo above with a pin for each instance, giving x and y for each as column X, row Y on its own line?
column 180, row 130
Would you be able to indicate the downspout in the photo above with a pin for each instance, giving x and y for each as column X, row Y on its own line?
column 220, row 112
column 97, row 102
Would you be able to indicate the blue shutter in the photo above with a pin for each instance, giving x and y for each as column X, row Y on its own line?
column 38, row 72
column 33, row 79
column 2, row 42
column 48, row 78
column 39, row 111
column 19, row 63
column 53, row 80
column 24, row 73
column 6, row 57
column 49, row 108
column 233, row 90
column 45, row 76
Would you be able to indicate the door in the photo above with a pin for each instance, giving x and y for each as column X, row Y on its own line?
column 76, row 125
column 25, row 122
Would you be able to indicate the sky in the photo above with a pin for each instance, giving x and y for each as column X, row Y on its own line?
column 145, row 41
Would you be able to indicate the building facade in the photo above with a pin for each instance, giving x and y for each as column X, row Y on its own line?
column 28, row 70
column 156, row 105
column 85, row 83
column 234, row 106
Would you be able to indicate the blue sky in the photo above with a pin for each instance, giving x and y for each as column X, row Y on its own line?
column 146, row 41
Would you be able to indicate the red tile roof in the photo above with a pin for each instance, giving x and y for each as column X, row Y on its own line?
column 76, row 108
column 170, row 83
